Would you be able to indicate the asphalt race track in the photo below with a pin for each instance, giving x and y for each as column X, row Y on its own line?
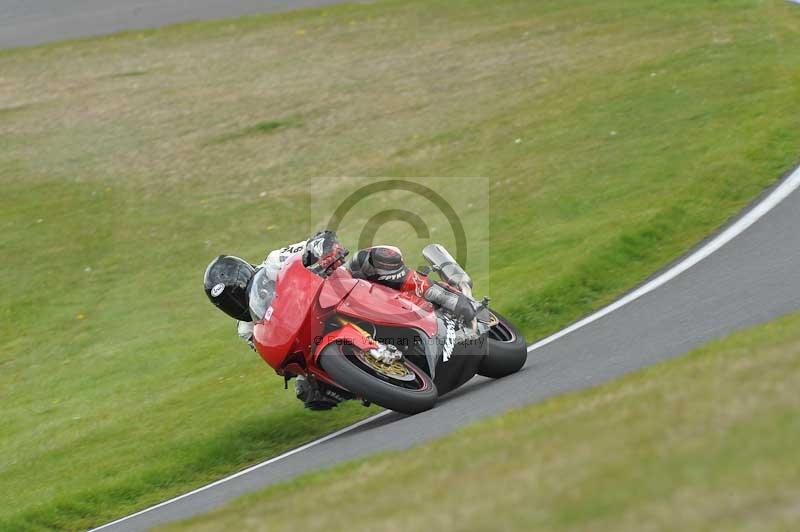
column 30, row 22
column 749, row 273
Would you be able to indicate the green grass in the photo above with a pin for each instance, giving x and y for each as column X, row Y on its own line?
column 132, row 73
column 267, row 126
column 707, row 441
column 612, row 136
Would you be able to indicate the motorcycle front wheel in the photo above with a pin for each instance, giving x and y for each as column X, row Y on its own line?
column 401, row 386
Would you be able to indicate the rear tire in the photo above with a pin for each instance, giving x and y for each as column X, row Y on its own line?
column 508, row 350
column 341, row 363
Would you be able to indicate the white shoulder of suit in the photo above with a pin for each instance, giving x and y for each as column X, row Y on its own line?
column 278, row 257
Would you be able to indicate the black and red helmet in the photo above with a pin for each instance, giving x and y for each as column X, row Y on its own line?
column 225, row 283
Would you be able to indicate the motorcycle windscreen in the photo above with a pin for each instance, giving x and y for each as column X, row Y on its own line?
column 260, row 294
column 286, row 321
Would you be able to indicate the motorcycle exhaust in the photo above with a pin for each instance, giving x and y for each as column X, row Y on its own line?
column 448, row 269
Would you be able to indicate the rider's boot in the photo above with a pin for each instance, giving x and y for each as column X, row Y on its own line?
column 441, row 295
column 457, row 303
column 316, row 395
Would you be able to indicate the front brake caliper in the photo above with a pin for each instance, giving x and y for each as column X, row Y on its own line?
column 385, row 354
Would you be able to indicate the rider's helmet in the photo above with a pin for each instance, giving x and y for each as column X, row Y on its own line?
column 226, row 282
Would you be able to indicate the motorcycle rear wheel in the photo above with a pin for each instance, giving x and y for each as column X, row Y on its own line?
column 508, row 350
column 410, row 393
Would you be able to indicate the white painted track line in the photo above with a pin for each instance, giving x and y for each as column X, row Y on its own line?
column 250, row 469
column 789, row 185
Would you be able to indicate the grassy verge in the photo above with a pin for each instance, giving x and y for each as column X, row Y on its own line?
column 704, row 442
column 614, row 135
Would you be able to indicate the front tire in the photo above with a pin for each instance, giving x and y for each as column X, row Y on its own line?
column 346, row 364
column 508, row 350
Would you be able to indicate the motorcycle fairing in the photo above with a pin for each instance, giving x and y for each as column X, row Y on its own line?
column 288, row 326
column 385, row 306
column 287, row 323
column 338, row 286
column 462, row 364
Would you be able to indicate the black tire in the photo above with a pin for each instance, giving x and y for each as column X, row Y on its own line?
column 341, row 364
column 508, row 350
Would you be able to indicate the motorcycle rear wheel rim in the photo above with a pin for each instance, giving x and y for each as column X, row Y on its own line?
column 499, row 331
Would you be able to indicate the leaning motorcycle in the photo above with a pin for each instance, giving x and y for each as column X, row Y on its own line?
column 376, row 344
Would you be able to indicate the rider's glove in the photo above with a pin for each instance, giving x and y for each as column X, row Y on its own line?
column 458, row 304
column 323, row 253
column 245, row 330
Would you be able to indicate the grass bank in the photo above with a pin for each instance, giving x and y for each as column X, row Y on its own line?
column 612, row 136
column 704, row 442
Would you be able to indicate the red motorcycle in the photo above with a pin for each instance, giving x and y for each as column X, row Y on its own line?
column 374, row 343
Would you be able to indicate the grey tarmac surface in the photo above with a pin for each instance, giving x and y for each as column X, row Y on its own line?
column 31, row 22
column 752, row 279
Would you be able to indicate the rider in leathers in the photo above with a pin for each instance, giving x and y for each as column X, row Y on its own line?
column 379, row 264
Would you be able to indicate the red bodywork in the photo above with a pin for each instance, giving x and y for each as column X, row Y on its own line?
column 290, row 337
